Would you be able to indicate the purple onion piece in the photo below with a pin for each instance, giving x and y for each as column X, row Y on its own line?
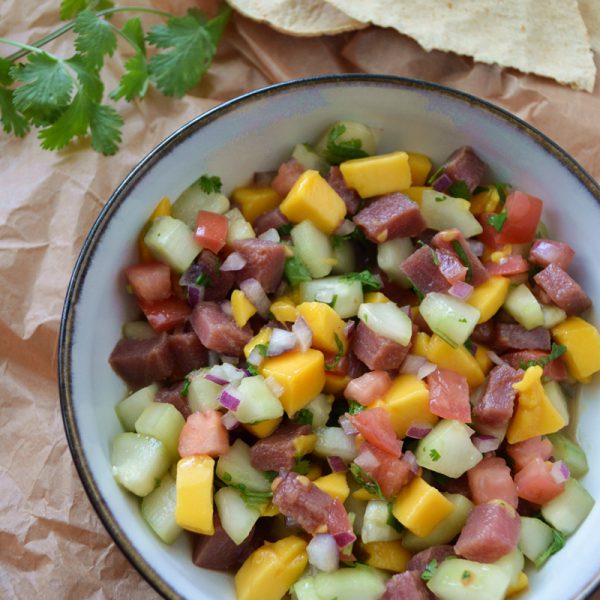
column 411, row 460
column 477, row 247
column 442, row 183
column 418, row 431
column 347, row 425
column 495, row 358
column 461, row 290
column 270, row 235
column 228, row 400
column 257, row 296
column 215, row 379
column 485, row 443
column 346, row 227
column 560, row 472
column 229, row 421
column 344, row 538
column 190, row 276
column 195, row 294
column 425, row 370
column 336, row 464
column 303, row 333
column 281, row 341
column 411, row 364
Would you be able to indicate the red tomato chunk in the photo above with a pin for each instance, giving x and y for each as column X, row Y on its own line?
column 449, row 395
column 211, row 230
column 204, row 433
column 375, row 425
column 166, row 314
column 536, row 484
column 150, row 281
column 368, row 387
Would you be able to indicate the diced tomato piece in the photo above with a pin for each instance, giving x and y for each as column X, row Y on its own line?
column 391, row 474
column 449, row 395
column 489, row 236
column 509, row 265
column 523, row 214
column 524, row 452
column 555, row 369
column 490, row 480
column 211, row 230
column 535, row 483
column 286, row 177
column 375, row 425
column 166, row 314
column 204, row 433
column 368, row 387
column 151, row 281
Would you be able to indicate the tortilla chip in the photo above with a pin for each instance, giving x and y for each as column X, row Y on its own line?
column 546, row 38
column 590, row 11
column 297, row 17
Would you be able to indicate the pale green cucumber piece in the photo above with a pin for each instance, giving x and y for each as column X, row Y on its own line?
column 446, row 530
column 441, row 211
column 375, row 526
column 390, row 255
column 257, row 401
column 203, row 394
column 138, row 462
column 535, row 537
column 237, row 518
column 235, row 468
column 567, row 511
column 359, row 583
column 194, row 199
column 559, row 400
column 138, row 330
column 171, row 241
column 552, row 315
column 131, row 407
column 512, row 564
column 239, row 228
column 309, row 159
column 348, row 294
column 460, row 579
column 524, row 308
column 452, row 319
column 319, row 407
column 387, row 320
column 354, row 131
column 343, row 254
column 313, row 248
column 164, row 422
column 332, row 441
column 570, row 453
column 158, row 510
column 447, row 449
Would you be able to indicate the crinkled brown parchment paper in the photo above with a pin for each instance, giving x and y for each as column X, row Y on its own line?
column 52, row 545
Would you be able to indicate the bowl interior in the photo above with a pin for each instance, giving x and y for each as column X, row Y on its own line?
column 256, row 133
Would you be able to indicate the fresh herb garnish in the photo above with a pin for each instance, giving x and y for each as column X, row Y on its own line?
column 355, row 407
column 418, row 293
column 356, row 235
column 333, row 301
column 440, row 198
column 470, row 346
column 465, row 575
column 295, row 271
column 434, row 455
column 301, row 467
column 558, row 541
column 436, row 174
column 330, row 366
column 285, row 229
column 366, row 481
column 556, row 351
column 252, row 369
column 497, row 221
column 429, row 570
column 304, row 417
column 262, row 349
column 369, row 282
column 464, row 259
column 339, row 151
column 185, row 388
column 270, row 475
column 391, row 519
column 434, row 256
column 462, row 320
column 251, row 497
column 459, row 189
column 204, row 279
column 502, row 188
column 210, row 184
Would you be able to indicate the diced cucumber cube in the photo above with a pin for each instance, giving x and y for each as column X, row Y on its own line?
column 138, row 330
column 447, row 449
column 445, row 212
column 387, row 320
column 163, row 422
column 131, row 407
column 320, row 407
column 359, row 583
column 512, row 564
column 195, row 199
column 558, row 399
column 343, row 254
column 309, row 159
column 239, row 228
column 452, row 319
column 391, row 254
column 313, row 248
column 235, row 468
column 567, row 511
column 552, row 315
column 203, row 394
column 257, row 401
column 348, row 294
column 524, row 308
column 171, row 241
column 375, row 526
column 332, row 441
column 568, row 451
column 138, row 462
column 237, row 518
column 366, row 138
column 535, row 537
column 158, row 510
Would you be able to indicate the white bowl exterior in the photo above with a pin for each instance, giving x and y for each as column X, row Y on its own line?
column 257, row 134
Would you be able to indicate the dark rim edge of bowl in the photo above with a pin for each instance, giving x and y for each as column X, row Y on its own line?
column 131, row 180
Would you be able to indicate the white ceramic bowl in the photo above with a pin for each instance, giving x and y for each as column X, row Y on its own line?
column 255, row 133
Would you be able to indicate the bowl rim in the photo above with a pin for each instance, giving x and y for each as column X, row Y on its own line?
column 82, row 263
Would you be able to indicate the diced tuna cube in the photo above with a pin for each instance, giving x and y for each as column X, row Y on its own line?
column 448, row 241
column 423, row 273
column 286, row 177
column 421, row 559
column 462, row 165
column 278, row 451
column 510, row 336
column 406, row 586
column 495, row 406
column 172, row 395
column 548, row 252
column 350, row 197
column 264, row 262
column 188, row 352
column 564, row 291
column 377, row 352
column 273, row 219
column 219, row 282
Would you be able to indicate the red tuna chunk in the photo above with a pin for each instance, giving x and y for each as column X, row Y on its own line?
column 451, row 267
column 551, row 252
column 491, row 532
column 421, row 559
column 264, row 262
column 390, row 216
column 286, row 177
column 218, row 331
column 462, row 165
column 278, row 451
column 141, row 362
column 219, row 282
column 449, row 395
column 495, row 406
column 490, row 480
column 273, row 219
column 406, row 586
column 449, row 241
column 510, row 336
column 564, row 291
column 350, row 197
column 423, row 273
column 377, row 352
column 172, row 395
column 188, row 353
column 483, row 333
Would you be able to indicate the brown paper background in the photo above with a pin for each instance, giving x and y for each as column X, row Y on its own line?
column 52, row 544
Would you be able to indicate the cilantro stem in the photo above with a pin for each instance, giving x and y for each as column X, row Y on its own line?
column 26, row 48
column 125, row 37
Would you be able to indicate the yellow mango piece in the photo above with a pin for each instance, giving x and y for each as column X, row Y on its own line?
column 325, row 325
column 284, row 310
column 263, row 429
column 376, row 175
column 407, row 401
column 521, row 584
column 362, row 494
column 483, row 360
column 504, row 252
column 254, row 201
column 314, row 472
column 458, row 359
column 376, row 298
column 314, row 199
column 268, row 510
column 420, row 344
column 271, row 570
column 262, row 337
column 535, row 414
column 486, row 201
column 420, row 507
column 194, row 494
column 334, row 484
column 162, row 209
column 334, row 384
column 488, row 297
column 583, row 346
column 420, row 167
column 415, row 192
column 305, row 444
column 241, row 308
column 301, row 374
column 390, row 556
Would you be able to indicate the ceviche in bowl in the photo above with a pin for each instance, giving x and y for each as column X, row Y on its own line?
column 336, row 339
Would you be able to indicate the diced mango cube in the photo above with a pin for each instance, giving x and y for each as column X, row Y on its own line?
column 420, row 507
column 334, row 484
column 376, row 298
column 314, row 472
column 535, row 414
column 377, row 175
column 194, row 494
column 263, row 429
column 486, row 201
column 521, row 584
column 301, row 374
column 162, row 209
column 483, row 359
column 271, row 570
column 262, row 337
column 254, row 201
column 459, row 360
column 488, row 297
column 362, row 494
column 325, row 325
column 241, row 308
column 415, row 192
column 420, row 166
column 335, row 383
column 313, row 198
column 268, row 510
column 305, row 444
column 284, row 310
column 420, row 344
column 390, row 556
column 583, row 346
column 407, row 401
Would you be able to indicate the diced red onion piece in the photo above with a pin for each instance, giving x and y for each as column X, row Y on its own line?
column 336, row 464
column 411, row 460
column 323, row 552
column 560, row 472
column 495, row 358
column 324, row 296
column 215, row 379
column 234, row 262
column 418, row 430
column 229, row 400
column 270, row 235
column 344, row 538
column 281, row 341
column 230, row 421
column 427, row 369
column 349, row 328
column 442, row 183
column 195, row 294
column 255, row 357
column 226, row 308
column 256, row 294
column 411, row 364
column 477, row 247
column 190, row 275
column 461, row 290
column 303, row 333
column 485, row 443
column 347, row 425
column 345, row 227
column 274, row 386
column 367, row 460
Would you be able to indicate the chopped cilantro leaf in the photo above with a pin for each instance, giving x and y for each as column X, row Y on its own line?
column 470, row 346
column 502, row 188
column 301, row 466
column 270, row 475
column 434, row 256
column 436, row 174
column 333, row 301
column 262, row 349
column 204, row 279
column 370, row 282
column 440, row 198
column 355, row 407
column 226, row 477
column 459, row 189
column 556, row 351
column 295, row 271
column 462, row 320
column 185, row 390
column 330, row 366
column 558, row 541
column 252, row 369
column 210, row 184
column 497, row 221
column 419, row 294
column 434, row 455
column 354, row 236
column 251, row 497
column 366, row 481
column 337, row 151
column 466, row 575
column 304, row 417
column 285, row 229
column 464, row 259
column 429, row 570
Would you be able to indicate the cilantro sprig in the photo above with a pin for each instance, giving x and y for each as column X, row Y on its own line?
column 210, row 184
column 337, row 151
column 330, row 366
column 558, row 542
column 497, row 220
column 429, row 570
column 464, row 259
column 369, row 282
column 366, row 481
column 556, row 351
